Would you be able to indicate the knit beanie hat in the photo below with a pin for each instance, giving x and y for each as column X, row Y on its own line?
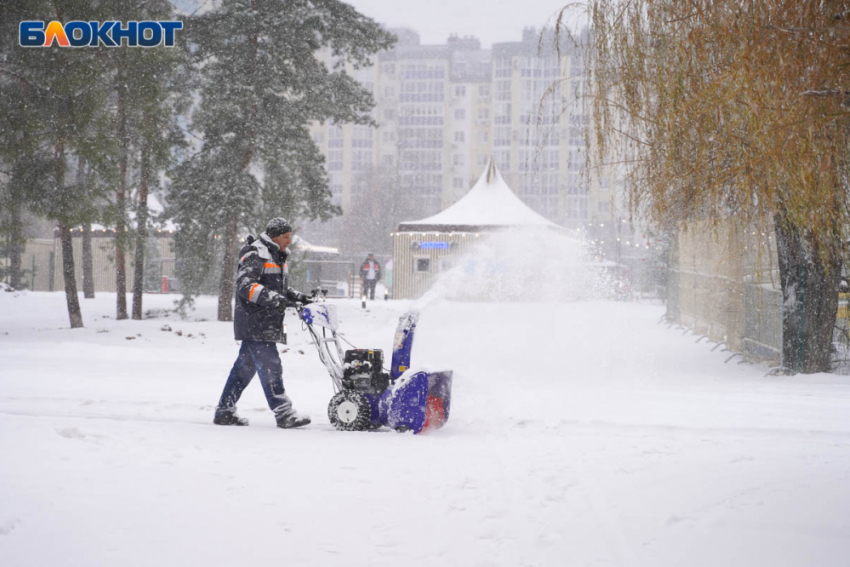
column 278, row 226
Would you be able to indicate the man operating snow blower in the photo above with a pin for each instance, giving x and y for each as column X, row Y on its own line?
column 261, row 299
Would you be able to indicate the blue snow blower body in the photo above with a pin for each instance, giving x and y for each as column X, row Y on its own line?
column 365, row 396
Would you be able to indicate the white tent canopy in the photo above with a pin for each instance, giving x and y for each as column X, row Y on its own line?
column 301, row 244
column 489, row 204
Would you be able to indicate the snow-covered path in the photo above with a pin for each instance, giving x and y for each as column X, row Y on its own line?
column 581, row 434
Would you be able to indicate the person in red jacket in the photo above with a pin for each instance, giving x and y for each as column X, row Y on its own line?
column 370, row 273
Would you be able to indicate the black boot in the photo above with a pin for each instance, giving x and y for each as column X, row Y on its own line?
column 287, row 417
column 292, row 421
column 228, row 418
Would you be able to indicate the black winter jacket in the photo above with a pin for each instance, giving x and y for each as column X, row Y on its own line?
column 261, row 291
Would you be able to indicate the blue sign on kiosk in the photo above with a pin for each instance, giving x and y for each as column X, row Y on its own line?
column 434, row 245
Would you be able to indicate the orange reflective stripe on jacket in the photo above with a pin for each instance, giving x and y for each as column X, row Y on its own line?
column 269, row 268
column 251, row 294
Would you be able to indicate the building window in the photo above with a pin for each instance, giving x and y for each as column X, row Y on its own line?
column 422, row 264
column 457, row 159
column 575, row 186
column 502, row 137
column 577, row 207
column 483, row 137
column 574, row 160
column 457, row 183
column 503, row 90
column 459, row 137
column 460, row 114
column 360, row 159
column 483, row 114
column 460, row 90
column 335, row 160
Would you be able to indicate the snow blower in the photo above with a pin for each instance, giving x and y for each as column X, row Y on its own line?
column 365, row 395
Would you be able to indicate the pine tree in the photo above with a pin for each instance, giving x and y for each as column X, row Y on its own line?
column 141, row 81
column 57, row 101
column 13, row 199
column 161, row 81
column 84, row 176
column 262, row 85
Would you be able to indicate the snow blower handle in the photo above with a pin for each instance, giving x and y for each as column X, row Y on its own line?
column 315, row 292
column 304, row 299
column 299, row 308
column 297, row 304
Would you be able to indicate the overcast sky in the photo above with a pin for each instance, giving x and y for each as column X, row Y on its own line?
column 435, row 20
column 490, row 22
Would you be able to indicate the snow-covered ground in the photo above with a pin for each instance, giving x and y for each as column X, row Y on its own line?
column 581, row 433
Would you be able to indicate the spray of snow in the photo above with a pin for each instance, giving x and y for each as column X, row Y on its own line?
column 523, row 264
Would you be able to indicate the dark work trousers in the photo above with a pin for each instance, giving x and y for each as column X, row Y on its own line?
column 255, row 357
column 369, row 288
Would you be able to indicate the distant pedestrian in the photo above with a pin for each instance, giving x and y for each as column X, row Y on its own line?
column 261, row 299
column 370, row 273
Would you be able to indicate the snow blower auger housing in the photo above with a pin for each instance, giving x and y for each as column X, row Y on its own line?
column 367, row 397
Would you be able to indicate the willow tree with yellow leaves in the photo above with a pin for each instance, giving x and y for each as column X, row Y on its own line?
column 735, row 111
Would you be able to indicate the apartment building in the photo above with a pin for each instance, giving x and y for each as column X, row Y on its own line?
column 443, row 110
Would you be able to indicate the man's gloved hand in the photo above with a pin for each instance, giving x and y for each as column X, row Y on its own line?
column 304, row 299
column 281, row 303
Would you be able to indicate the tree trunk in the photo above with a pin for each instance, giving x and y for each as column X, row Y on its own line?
column 68, row 273
column 141, row 236
column 121, row 204
column 16, row 244
column 226, row 285
column 228, row 269
column 810, row 298
column 88, row 265
column 73, row 300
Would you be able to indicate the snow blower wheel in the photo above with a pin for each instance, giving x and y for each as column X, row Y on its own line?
column 350, row 411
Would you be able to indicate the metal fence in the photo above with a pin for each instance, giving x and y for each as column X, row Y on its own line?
column 762, row 338
column 159, row 260
column 841, row 336
column 745, row 316
column 724, row 283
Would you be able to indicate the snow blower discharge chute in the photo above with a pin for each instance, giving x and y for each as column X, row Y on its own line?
column 367, row 397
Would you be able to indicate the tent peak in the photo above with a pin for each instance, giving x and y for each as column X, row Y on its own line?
column 491, row 172
column 490, row 203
